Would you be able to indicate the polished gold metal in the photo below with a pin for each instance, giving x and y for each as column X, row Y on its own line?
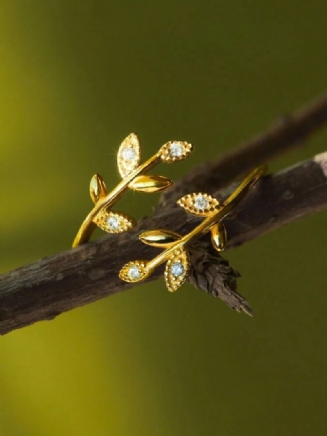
column 176, row 254
column 132, row 172
column 218, row 236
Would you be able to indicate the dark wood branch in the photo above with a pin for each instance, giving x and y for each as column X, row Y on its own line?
column 285, row 134
column 53, row 285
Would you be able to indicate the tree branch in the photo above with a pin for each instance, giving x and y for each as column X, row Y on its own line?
column 53, row 285
column 285, row 134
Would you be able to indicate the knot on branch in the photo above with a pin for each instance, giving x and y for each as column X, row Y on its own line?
column 214, row 275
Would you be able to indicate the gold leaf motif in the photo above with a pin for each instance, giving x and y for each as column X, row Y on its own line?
column 198, row 204
column 150, row 183
column 174, row 151
column 114, row 222
column 219, row 236
column 97, row 188
column 159, row 238
column 129, row 155
column 177, row 269
column 134, row 271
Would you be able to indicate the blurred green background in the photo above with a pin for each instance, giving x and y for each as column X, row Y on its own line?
column 76, row 77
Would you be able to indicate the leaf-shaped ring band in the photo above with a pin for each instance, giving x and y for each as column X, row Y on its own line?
column 133, row 174
column 176, row 253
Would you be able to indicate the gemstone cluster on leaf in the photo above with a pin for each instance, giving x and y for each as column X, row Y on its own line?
column 174, row 151
column 198, row 204
column 134, row 271
column 129, row 155
column 177, row 269
column 114, row 222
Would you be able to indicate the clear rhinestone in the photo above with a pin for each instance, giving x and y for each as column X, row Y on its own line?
column 129, row 154
column 177, row 269
column 200, row 202
column 176, row 149
column 113, row 223
column 134, row 273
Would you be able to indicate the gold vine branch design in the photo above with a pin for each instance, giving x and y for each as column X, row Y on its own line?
column 176, row 254
column 133, row 175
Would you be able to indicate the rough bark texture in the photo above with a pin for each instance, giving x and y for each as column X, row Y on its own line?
column 287, row 133
column 53, row 285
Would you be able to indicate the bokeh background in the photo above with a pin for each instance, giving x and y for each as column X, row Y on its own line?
column 76, row 77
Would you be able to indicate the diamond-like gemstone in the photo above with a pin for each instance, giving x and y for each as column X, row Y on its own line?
column 200, row 202
column 177, row 269
column 129, row 153
column 134, row 273
column 113, row 223
column 176, row 149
